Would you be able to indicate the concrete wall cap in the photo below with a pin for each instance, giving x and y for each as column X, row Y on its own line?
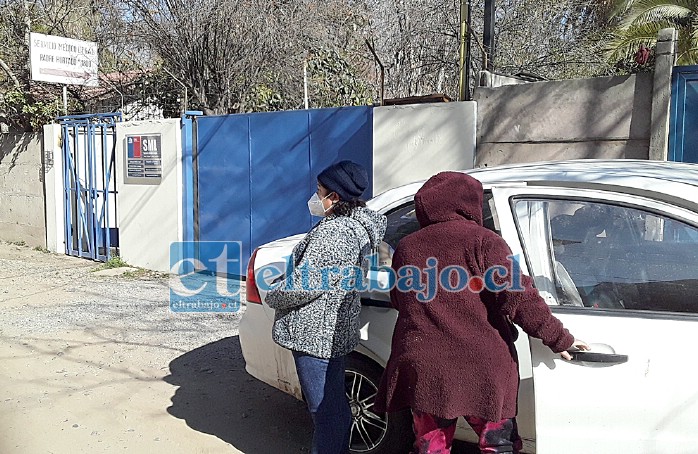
column 667, row 34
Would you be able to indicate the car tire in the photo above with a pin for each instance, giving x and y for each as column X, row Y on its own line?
column 373, row 433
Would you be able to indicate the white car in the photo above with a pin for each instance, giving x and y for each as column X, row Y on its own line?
column 613, row 248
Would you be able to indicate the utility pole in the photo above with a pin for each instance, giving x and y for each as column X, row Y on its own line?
column 488, row 36
column 464, row 81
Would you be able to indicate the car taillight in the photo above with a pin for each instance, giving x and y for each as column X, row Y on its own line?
column 251, row 290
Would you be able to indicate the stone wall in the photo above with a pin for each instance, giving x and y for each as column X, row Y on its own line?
column 22, row 189
column 602, row 117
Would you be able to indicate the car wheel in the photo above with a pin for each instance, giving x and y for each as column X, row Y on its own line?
column 373, row 433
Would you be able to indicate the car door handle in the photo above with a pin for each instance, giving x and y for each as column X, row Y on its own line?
column 594, row 357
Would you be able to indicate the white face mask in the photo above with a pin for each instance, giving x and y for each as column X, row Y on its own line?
column 315, row 206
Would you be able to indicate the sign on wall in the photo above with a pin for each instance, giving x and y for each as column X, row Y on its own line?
column 63, row 60
column 143, row 159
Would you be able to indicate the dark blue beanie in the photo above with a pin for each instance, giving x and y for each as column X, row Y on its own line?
column 348, row 179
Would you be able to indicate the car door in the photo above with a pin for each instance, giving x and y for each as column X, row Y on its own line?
column 377, row 316
column 621, row 272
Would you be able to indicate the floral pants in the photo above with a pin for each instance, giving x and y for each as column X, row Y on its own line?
column 434, row 435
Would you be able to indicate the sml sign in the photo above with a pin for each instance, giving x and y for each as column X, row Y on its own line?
column 143, row 146
column 143, row 159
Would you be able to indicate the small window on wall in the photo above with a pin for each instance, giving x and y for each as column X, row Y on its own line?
column 600, row 255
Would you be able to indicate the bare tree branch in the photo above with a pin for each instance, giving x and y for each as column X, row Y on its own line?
column 10, row 74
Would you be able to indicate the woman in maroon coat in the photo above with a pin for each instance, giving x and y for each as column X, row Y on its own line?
column 454, row 355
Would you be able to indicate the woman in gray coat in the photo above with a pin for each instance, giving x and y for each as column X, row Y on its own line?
column 317, row 313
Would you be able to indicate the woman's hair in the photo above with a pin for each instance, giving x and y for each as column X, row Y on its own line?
column 344, row 208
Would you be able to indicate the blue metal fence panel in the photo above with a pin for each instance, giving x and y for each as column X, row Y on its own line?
column 338, row 134
column 683, row 135
column 254, row 173
column 279, row 178
column 222, row 201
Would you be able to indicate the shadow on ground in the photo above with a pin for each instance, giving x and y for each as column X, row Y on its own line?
column 218, row 397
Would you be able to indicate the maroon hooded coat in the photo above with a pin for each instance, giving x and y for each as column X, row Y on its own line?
column 454, row 355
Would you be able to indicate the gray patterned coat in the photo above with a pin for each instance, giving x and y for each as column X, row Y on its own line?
column 322, row 318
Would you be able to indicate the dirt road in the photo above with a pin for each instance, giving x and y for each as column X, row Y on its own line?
column 100, row 365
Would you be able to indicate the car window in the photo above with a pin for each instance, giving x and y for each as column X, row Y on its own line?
column 403, row 220
column 603, row 255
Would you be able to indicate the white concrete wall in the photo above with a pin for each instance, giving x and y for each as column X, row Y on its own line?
column 414, row 142
column 150, row 215
column 21, row 189
column 55, row 192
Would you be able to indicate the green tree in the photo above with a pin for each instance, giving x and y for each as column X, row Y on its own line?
column 335, row 82
column 552, row 38
column 639, row 22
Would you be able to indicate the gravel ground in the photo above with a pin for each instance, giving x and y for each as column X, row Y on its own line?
column 132, row 309
column 99, row 364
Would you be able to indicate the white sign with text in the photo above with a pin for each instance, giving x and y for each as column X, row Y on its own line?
column 63, row 60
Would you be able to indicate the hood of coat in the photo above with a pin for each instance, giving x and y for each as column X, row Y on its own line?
column 449, row 196
column 373, row 224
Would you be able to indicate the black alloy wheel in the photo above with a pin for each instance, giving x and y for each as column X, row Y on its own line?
column 373, row 433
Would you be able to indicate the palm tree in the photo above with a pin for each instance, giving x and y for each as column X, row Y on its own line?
column 639, row 22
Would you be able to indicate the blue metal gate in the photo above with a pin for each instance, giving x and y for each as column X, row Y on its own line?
column 254, row 173
column 683, row 133
column 88, row 144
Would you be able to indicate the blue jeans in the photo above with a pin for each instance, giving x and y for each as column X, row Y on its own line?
column 322, row 382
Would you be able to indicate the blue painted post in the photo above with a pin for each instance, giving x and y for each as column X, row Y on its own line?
column 89, row 197
column 106, row 178
column 188, row 175
column 78, row 190
column 187, row 126
column 66, row 190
